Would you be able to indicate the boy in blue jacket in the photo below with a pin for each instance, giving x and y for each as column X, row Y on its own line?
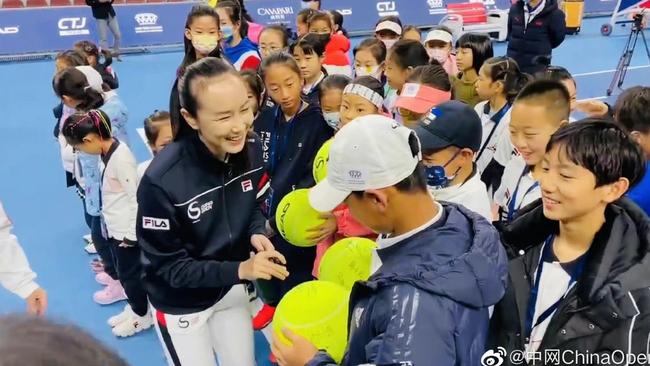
column 437, row 269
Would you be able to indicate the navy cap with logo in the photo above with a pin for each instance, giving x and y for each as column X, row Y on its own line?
column 451, row 123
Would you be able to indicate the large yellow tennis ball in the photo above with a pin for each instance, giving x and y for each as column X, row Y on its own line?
column 295, row 216
column 317, row 311
column 347, row 261
column 320, row 161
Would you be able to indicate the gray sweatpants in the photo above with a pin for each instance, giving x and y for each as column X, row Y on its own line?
column 103, row 26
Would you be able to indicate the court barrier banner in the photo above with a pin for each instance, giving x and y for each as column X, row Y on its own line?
column 37, row 30
column 41, row 30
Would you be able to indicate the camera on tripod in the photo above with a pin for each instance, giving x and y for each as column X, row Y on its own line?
column 638, row 20
column 626, row 57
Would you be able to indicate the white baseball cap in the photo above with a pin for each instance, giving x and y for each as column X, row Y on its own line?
column 438, row 35
column 389, row 25
column 94, row 78
column 371, row 152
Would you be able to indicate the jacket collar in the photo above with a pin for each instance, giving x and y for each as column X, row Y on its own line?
column 619, row 260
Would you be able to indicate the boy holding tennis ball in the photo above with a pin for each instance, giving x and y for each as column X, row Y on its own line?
column 434, row 260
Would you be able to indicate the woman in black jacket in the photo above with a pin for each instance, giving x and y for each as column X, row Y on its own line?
column 199, row 218
column 581, row 284
column 535, row 28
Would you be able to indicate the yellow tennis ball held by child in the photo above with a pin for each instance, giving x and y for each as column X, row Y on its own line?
column 295, row 217
column 320, row 161
column 317, row 311
column 347, row 261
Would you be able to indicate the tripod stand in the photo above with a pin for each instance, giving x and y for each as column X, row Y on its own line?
column 626, row 57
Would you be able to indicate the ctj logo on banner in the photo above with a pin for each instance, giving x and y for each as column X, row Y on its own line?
column 73, row 27
column 387, row 8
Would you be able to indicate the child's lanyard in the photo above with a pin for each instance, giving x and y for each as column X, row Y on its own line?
column 496, row 119
column 512, row 207
column 532, row 301
column 279, row 145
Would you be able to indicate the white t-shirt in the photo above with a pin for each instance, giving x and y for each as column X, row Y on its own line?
column 489, row 147
column 472, row 195
column 526, row 187
column 554, row 283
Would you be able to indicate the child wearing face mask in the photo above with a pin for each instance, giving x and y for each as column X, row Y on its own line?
column 439, row 46
column 336, row 60
column 237, row 48
column 450, row 136
column 331, row 95
column 202, row 36
column 389, row 30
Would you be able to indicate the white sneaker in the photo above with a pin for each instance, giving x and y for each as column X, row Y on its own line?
column 121, row 317
column 88, row 239
column 132, row 324
column 90, row 248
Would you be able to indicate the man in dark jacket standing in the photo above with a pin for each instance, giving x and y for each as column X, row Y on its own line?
column 438, row 268
column 535, row 28
column 582, row 288
column 106, row 18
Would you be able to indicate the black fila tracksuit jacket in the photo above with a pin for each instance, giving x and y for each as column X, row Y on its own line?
column 196, row 215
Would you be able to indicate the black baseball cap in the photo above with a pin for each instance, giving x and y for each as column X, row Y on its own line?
column 451, row 123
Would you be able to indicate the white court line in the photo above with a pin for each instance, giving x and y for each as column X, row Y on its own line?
column 609, row 71
column 594, row 98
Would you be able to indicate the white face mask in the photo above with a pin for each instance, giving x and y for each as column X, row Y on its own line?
column 389, row 43
column 332, row 119
column 438, row 54
column 373, row 71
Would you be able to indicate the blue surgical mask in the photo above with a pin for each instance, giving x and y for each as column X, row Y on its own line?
column 227, row 32
column 332, row 119
column 437, row 177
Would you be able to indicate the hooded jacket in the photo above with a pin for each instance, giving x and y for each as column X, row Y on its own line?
column 607, row 310
column 528, row 42
column 428, row 302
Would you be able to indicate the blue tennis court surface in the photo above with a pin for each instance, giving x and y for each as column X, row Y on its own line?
column 48, row 217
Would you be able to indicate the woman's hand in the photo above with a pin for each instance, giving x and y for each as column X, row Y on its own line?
column 264, row 265
column 37, row 302
column 261, row 243
column 592, row 108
